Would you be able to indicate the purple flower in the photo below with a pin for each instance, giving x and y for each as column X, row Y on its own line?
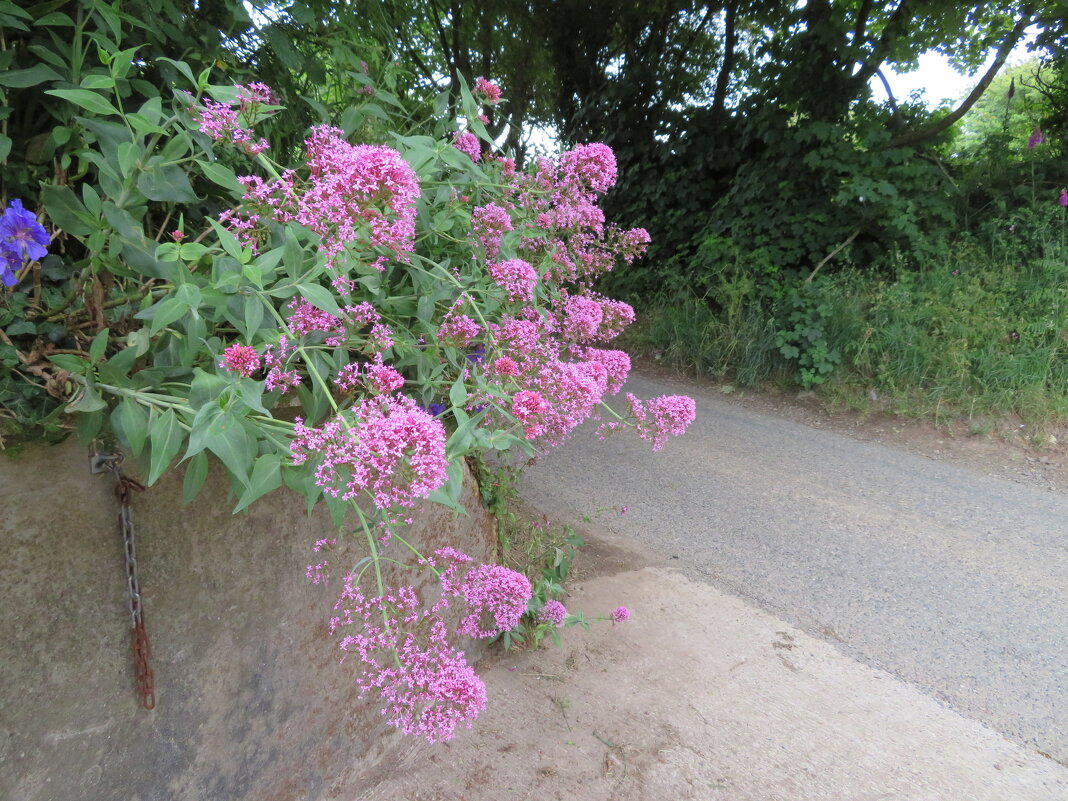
column 436, row 408
column 476, row 354
column 22, row 238
column 1064, row 197
column 9, row 263
column 553, row 612
column 1037, row 138
column 620, row 613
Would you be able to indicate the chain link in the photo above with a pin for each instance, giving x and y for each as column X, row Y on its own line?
column 142, row 650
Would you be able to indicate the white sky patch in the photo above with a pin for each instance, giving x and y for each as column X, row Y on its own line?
column 938, row 81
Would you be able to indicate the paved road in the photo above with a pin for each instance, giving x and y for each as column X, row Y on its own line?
column 949, row 579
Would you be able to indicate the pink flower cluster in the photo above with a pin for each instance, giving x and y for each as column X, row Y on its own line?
column 466, row 142
column 355, row 195
column 553, row 612
column 516, row 278
column 659, row 418
column 385, row 446
column 425, row 684
column 224, row 123
column 240, row 359
column 377, row 378
column 490, row 92
column 489, row 223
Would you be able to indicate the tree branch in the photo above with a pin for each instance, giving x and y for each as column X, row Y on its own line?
column 913, row 137
column 730, row 42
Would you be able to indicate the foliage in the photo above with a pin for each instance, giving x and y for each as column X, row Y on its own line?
column 351, row 320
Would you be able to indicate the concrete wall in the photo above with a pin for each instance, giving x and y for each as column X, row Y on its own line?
column 251, row 700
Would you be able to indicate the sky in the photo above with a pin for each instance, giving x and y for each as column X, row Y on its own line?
column 939, row 80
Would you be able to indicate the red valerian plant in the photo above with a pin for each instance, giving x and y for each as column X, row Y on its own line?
column 357, row 324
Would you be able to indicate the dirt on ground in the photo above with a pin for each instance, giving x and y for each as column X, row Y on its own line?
column 703, row 696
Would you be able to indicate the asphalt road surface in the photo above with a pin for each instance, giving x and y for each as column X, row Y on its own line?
column 949, row 579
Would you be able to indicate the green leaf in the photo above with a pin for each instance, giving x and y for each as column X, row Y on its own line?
column 98, row 346
column 206, row 387
column 164, row 313
column 319, row 297
column 130, row 419
column 66, row 210
column 20, row 79
column 86, row 99
column 253, row 315
column 5, row 146
column 65, row 361
column 266, row 477
column 227, row 439
column 165, row 183
column 166, row 437
column 89, row 400
column 98, row 82
column 223, row 176
column 195, row 473
column 183, row 68
column 458, row 393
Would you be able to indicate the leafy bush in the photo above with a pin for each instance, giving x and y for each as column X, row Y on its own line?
column 350, row 320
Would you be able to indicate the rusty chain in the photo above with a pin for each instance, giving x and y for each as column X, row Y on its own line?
column 142, row 650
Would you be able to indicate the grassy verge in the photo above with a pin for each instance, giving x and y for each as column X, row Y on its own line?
column 981, row 334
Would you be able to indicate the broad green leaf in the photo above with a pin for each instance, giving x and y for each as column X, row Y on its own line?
column 223, row 176
column 66, row 210
column 206, row 387
column 164, row 313
column 227, row 439
column 20, row 79
column 131, row 419
column 89, row 400
column 266, row 477
column 165, row 182
column 165, row 435
column 86, row 99
column 98, row 346
column 5, row 146
column 98, row 82
column 458, row 393
column 319, row 297
column 195, row 472
column 253, row 315
column 65, row 361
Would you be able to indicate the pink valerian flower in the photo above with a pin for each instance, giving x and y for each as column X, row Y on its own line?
column 659, row 418
column 458, row 329
column 466, row 142
column 240, row 359
column 177, row 236
column 615, row 316
column 553, row 612
column 425, row 685
column 1064, row 197
column 526, row 340
column 483, row 119
column 571, row 391
column 1037, row 138
column 620, row 614
column 275, row 359
column 366, row 90
column 489, row 223
column 317, row 574
column 496, row 593
column 506, row 366
column 582, row 317
column 377, row 378
column 516, row 278
column 386, row 446
column 489, row 91
column 528, row 407
column 223, row 123
column 354, row 194
column 594, row 165
column 616, row 364
column 305, row 319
